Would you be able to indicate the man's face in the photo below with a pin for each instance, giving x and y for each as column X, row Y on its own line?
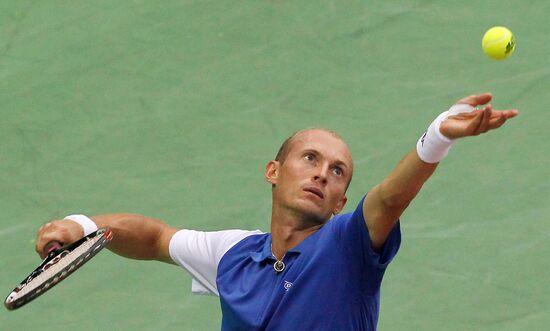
column 313, row 178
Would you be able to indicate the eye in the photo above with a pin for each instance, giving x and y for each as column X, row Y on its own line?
column 309, row 157
column 337, row 171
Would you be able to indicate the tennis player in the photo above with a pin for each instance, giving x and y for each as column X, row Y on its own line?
column 317, row 269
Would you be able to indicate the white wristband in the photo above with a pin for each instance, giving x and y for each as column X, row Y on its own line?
column 85, row 222
column 433, row 146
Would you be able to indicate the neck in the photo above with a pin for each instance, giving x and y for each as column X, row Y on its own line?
column 288, row 230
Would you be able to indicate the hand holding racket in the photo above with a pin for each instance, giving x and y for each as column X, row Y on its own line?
column 55, row 234
column 59, row 260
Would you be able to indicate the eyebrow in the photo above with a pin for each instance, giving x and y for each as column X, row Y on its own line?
column 338, row 162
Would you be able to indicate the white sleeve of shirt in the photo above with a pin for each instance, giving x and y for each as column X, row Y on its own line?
column 200, row 253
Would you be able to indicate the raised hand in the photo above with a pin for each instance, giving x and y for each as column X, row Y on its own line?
column 483, row 119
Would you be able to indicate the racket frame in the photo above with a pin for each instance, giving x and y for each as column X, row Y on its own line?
column 16, row 300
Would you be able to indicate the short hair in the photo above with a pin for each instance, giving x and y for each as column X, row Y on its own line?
column 285, row 147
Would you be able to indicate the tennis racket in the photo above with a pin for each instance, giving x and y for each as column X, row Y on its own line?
column 60, row 263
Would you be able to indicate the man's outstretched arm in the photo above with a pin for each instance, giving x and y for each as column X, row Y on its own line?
column 134, row 236
column 388, row 200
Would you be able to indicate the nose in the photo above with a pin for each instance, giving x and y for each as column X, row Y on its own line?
column 321, row 174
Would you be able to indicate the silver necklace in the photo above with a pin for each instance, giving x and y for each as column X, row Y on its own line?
column 279, row 265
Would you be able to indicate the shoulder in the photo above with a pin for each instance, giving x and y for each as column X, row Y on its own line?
column 252, row 242
column 212, row 244
column 350, row 220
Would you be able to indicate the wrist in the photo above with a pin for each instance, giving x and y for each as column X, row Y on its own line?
column 88, row 226
column 433, row 146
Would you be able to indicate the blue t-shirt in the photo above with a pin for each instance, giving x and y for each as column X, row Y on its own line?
column 331, row 280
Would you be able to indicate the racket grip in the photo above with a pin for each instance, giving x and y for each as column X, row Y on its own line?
column 52, row 246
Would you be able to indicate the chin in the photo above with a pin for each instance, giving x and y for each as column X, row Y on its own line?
column 311, row 213
column 315, row 217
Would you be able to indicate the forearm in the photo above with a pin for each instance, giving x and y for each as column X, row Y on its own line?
column 136, row 236
column 398, row 189
column 388, row 200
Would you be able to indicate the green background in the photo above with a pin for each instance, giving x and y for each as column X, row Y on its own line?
column 172, row 108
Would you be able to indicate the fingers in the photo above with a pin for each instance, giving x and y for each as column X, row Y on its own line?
column 487, row 119
column 52, row 246
column 476, row 99
column 484, row 123
column 482, row 119
column 45, row 234
column 498, row 121
column 62, row 231
column 498, row 118
column 477, row 123
column 509, row 113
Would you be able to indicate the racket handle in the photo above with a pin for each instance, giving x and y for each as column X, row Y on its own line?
column 52, row 246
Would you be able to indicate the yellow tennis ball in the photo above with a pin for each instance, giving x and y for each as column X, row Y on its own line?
column 498, row 43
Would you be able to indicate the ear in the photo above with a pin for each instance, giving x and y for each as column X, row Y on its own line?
column 272, row 171
column 340, row 205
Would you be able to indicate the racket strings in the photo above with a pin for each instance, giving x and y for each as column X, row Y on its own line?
column 64, row 261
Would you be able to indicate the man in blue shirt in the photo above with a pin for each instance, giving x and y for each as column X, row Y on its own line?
column 316, row 269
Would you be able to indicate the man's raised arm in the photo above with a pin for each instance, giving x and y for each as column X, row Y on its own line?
column 386, row 202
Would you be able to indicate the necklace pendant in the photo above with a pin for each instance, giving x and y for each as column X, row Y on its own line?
column 279, row 266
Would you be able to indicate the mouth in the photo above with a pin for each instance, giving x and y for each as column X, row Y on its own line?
column 315, row 190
